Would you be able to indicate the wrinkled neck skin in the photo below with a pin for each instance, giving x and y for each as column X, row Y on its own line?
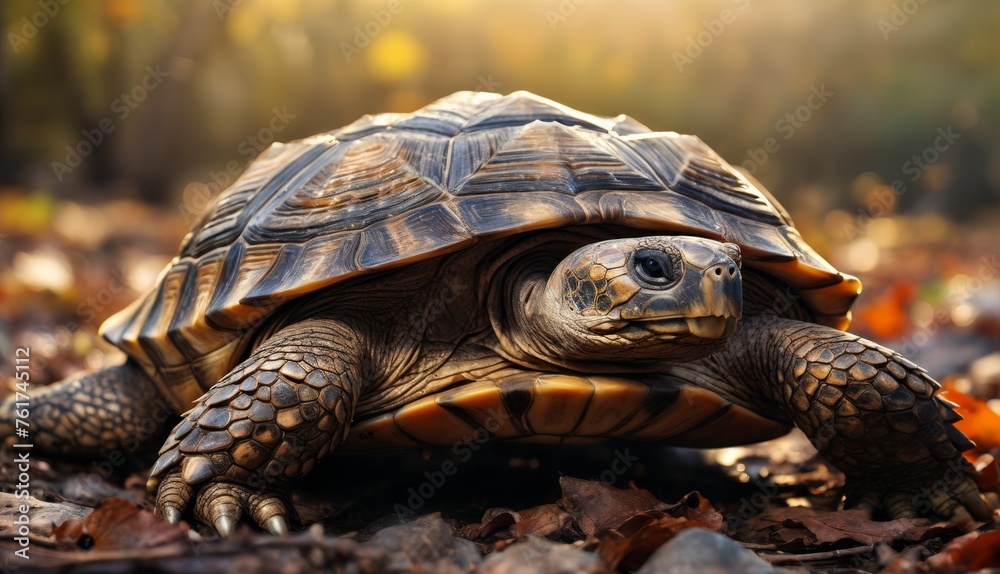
column 521, row 302
column 746, row 369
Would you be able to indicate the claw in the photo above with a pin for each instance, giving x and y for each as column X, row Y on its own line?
column 220, row 504
column 899, row 505
column 977, row 506
column 224, row 526
column 269, row 511
column 172, row 497
column 992, row 502
column 172, row 515
column 962, row 517
column 276, row 526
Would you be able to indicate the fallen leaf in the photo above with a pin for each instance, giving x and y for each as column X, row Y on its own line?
column 599, row 506
column 42, row 516
column 979, row 422
column 886, row 317
column 494, row 519
column 987, row 474
column 626, row 525
column 118, row 524
column 973, row 551
column 630, row 545
column 547, row 520
column 635, row 548
column 800, row 527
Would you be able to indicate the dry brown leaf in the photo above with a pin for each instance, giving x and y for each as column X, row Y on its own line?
column 631, row 544
column 599, row 506
column 627, row 525
column 494, row 519
column 118, row 524
column 44, row 516
column 547, row 520
column 799, row 527
column 635, row 548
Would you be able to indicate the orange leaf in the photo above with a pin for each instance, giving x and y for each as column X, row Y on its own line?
column 980, row 423
column 118, row 524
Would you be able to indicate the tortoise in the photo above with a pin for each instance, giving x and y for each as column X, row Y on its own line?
column 499, row 263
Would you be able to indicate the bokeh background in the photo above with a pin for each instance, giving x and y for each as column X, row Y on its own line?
column 121, row 119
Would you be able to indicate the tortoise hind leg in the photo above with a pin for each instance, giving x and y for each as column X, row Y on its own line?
column 94, row 414
column 263, row 425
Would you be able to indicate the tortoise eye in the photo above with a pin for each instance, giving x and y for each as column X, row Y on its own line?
column 654, row 267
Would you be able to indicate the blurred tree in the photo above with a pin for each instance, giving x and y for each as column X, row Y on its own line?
column 736, row 73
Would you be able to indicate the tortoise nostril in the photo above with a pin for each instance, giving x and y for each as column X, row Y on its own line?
column 732, row 271
column 718, row 271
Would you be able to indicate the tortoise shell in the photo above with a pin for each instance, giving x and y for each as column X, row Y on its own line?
column 392, row 189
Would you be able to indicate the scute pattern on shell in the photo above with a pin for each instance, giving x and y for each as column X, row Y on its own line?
column 392, row 189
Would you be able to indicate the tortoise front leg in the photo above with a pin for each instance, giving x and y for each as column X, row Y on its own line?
column 874, row 414
column 265, row 424
column 881, row 420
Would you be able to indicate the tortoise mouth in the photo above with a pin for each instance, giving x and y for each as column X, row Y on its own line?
column 707, row 327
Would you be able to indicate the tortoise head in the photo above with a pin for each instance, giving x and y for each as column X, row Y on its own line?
column 661, row 298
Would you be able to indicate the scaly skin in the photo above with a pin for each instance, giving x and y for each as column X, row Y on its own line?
column 263, row 425
column 878, row 417
column 867, row 409
column 94, row 414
